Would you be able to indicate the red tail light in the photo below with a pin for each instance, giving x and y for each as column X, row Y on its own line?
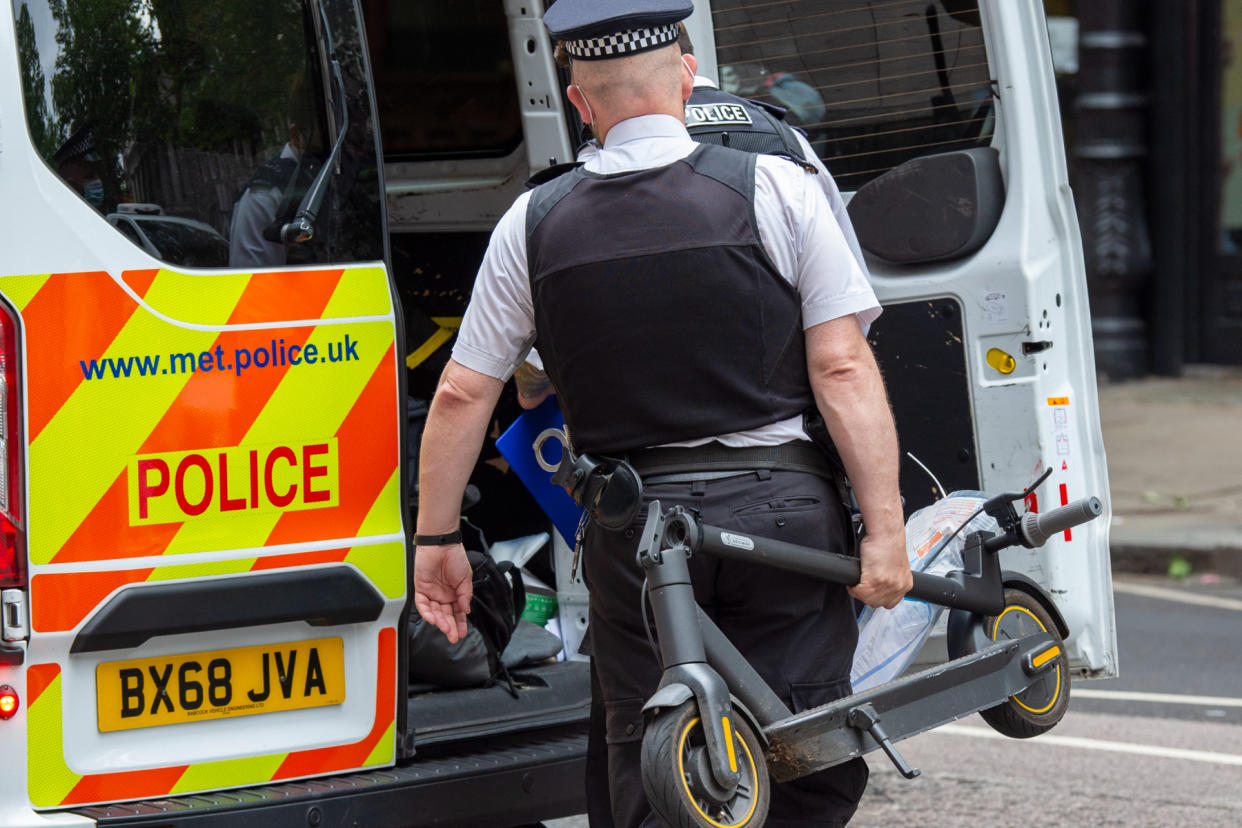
column 12, row 534
column 9, row 701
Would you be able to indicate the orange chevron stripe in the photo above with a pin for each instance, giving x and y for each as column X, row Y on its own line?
column 107, row 787
column 106, row 532
column 367, row 446
column 326, row 760
column 59, row 601
column 300, row 559
column 274, row 297
column 38, row 677
column 139, row 281
column 98, row 309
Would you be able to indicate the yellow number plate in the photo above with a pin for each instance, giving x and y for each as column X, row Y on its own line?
column 219, row 684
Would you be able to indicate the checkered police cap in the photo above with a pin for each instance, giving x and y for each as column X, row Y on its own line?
column 601, row 29
column 623, row 43
column 80, row 146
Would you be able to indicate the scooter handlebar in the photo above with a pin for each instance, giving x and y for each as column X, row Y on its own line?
column 1037, row 528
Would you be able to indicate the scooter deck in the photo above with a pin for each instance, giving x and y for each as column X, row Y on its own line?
column 838, row 731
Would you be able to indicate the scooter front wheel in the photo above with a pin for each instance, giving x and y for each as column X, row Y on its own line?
column 1038, row 708
column 677, row 773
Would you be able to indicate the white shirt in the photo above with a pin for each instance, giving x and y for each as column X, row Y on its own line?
column 796, row 227
column 826, row 183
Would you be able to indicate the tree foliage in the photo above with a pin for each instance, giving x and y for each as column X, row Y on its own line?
column 43, row 130
column 193, row 74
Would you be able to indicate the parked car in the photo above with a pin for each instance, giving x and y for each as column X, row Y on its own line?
column 179, row 241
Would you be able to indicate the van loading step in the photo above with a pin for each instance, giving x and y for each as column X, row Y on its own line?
column 501, row 781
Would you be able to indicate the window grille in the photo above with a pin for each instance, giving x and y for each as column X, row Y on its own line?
column 873, row 84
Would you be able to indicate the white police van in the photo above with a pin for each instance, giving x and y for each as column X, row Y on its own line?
column 206, row 488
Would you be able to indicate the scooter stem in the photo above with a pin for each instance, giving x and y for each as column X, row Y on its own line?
column 682, row 650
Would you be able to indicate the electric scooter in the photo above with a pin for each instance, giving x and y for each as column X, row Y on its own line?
column 716, row 733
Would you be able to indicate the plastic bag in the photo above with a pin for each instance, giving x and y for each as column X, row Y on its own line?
column 889, row 639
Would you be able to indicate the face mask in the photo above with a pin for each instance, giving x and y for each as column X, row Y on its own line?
column 93, row 192
column 590, row 114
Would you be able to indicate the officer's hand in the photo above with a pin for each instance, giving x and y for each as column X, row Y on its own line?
column 886, row 574
column 443, row 587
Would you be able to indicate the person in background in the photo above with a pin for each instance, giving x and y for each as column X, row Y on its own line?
column 269, row 197
column 801, row 100
column 690, row 302
column 77, row 163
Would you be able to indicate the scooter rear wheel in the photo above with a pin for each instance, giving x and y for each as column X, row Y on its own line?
column 677, row 774
column 1037, row 709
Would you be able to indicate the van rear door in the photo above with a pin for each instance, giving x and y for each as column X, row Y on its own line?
column 985, row 340
column 209, row 418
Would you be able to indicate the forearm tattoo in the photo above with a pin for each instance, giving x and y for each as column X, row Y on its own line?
column 530, row 380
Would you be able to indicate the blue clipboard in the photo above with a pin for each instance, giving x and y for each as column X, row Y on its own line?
column 517, row 445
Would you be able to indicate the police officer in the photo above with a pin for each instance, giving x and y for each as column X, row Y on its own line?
column 689, row 302
column 270, row 196
column 717, row 117
column 78, row 164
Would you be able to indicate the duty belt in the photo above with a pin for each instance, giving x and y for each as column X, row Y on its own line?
column 713, row 458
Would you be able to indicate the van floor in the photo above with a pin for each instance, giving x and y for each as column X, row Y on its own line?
column 546, row 695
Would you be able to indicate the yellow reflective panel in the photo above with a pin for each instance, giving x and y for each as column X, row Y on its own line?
column 363, row 291
column 21, row 289
column 197, row 299
column 383, row 564
column 50, row 779
column 228, row 773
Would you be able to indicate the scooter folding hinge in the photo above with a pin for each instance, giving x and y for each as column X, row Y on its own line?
column 865, row 718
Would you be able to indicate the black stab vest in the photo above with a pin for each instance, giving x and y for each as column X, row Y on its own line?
column 715, row 117
column 660, row 316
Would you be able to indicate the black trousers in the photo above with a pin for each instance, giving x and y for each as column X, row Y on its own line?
column 798, row 633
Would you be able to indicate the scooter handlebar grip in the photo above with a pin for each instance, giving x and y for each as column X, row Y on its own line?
column 1037, row 528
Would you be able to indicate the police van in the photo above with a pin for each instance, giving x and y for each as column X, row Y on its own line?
column 206, row 466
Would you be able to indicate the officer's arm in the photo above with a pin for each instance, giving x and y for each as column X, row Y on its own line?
column 452, row 437
column 849, row 392
column 533, row 385
column 836, row 203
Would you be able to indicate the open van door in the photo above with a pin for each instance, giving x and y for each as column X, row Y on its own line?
column 203, row 505
column 941, row 119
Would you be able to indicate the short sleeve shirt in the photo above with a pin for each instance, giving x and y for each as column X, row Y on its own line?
column 796, row 227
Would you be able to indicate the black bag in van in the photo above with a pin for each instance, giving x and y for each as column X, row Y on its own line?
column 474, row 661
